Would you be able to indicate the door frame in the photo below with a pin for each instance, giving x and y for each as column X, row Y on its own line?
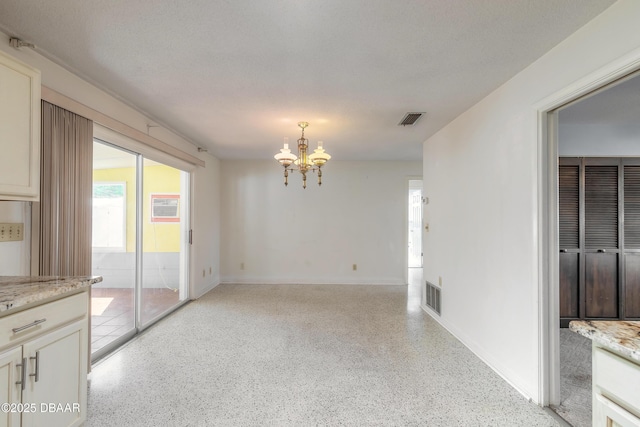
column 547, row 214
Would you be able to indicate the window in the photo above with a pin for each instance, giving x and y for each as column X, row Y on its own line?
column 109, row 213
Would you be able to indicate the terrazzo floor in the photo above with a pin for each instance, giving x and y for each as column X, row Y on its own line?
column 300, row 355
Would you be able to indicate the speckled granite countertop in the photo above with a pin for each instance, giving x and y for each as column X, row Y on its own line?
column 18, row 291
column 620, row 336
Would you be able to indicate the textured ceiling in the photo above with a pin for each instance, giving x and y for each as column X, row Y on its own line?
column 236, row 76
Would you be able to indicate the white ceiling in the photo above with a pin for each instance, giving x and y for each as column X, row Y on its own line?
column 236, row 76
column 618, row 104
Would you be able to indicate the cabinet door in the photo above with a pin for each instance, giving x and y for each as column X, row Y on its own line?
column 19, row 130
column 10, row 392
column 57, row 377
column 608, row 414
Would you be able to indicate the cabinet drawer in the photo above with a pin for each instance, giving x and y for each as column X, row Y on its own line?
column 618, row 379
column 56, row 313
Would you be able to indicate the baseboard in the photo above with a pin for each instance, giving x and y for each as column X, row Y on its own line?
column 310, row 281
column 479, row 352
column 205, row 290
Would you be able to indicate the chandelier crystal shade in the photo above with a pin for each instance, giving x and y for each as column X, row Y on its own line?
column 303, row 162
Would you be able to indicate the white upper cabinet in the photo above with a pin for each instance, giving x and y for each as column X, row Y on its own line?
column 19, row 130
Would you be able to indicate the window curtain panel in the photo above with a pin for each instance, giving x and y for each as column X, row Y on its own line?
column 65, row 193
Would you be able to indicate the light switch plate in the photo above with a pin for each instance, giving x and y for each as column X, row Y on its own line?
column 11, row 232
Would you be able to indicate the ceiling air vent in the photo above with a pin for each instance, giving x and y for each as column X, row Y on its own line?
column 410, row 119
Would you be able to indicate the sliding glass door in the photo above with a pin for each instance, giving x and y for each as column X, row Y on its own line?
column 140, row 243
column 164, row 231
column 114, row 245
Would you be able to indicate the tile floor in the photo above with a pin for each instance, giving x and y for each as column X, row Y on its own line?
column 115, row 314
column 575, row 379
column 298, row 355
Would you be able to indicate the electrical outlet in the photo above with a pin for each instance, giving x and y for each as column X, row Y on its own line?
column 210, row 270
column 242, row 266
column 11, row 232
column 355, row 267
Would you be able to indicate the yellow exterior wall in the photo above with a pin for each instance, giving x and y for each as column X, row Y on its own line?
column 157, row 236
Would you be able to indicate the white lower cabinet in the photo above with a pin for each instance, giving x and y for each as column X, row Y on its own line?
column 10, row 393
column 55, row 383
column 616, row 390
column 43, row 379
column 608, row 414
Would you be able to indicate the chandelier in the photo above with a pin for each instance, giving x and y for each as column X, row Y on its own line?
column 303, row 162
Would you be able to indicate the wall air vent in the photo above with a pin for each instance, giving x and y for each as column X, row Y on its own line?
column 432, row 297
column 410, row 119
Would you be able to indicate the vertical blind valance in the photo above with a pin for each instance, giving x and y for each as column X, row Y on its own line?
column 66, row 192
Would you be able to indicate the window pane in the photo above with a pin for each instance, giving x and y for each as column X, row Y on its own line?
column 114, row 244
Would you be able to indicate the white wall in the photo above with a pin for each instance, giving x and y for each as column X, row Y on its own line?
column 15, row 256
column 291, row 235
column 206, row 228
column 593, row 140
column 205, row 215
column 481, row 174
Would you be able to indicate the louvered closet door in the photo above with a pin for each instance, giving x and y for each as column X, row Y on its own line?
column 601, row 241
column 569, row 234
column 632, row 240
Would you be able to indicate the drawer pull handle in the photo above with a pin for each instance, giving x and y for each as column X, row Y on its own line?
column 23, row 378
column 37, row 359
column 30, row 325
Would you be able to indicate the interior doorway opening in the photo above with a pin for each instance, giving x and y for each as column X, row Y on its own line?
column 414, row 244
column 548, row 213
column 414, row 222
column 598, row 168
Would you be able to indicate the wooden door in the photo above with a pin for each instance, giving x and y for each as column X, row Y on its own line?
column 569, row 236
column 601, row 240
column 632, row 240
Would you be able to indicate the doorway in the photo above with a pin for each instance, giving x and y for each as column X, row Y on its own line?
column 414, row 222
column 140, row 247
column 598, row 183
column 414, row 244
column 548, row 136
